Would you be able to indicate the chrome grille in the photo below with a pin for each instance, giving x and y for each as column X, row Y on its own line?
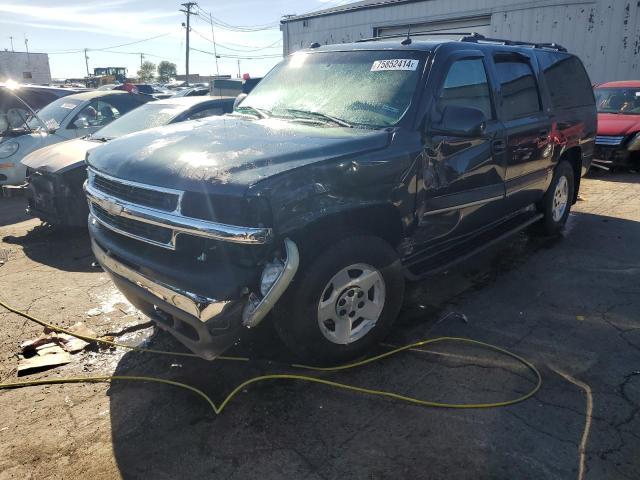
column 130, row 192
column 608, row 140
column 142, row 231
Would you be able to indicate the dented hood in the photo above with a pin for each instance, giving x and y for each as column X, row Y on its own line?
column 60, row 157
column 228, row 151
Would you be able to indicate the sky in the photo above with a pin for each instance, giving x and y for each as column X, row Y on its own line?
column 64, row 28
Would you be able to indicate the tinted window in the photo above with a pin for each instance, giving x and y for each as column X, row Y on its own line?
column 567, row 81
column 519, row 89
column 466, row 86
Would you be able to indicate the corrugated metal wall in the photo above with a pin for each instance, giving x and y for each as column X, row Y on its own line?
column 604, row 33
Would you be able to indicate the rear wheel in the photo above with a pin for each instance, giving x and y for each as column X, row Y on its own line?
column 556, row 203
column 342, row 302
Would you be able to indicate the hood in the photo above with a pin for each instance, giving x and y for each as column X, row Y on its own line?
column 61, row 156
column 617, row 124
column 227, row 151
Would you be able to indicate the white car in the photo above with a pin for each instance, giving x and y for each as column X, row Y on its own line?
column 73, row 116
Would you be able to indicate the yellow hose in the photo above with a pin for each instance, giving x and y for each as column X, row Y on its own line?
column 282, row 376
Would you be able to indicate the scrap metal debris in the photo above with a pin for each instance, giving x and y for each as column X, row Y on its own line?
column 52, row 349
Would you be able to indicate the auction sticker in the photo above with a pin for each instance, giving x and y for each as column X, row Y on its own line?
column 394, row 64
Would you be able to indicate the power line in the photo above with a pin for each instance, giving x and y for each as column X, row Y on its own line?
column 247, row 49
column 254, row 57
column 80, row 50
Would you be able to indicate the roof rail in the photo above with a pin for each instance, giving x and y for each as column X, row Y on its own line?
column 477, row 38
column 410, row 33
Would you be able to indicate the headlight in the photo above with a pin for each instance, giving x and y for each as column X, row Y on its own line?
column 270, row 274
column 634, row 144
column 9, row 148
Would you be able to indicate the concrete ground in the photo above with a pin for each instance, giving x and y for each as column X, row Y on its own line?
column 569, row 305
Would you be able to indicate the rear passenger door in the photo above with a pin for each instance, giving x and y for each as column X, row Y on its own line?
column 529, row 150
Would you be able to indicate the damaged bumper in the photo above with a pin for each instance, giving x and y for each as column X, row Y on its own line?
column 205, row 325
column 57, row 199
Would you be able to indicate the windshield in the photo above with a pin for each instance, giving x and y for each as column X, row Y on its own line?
column 54, row 113
column 618, row 100
column 147, row 116
column 365, row 88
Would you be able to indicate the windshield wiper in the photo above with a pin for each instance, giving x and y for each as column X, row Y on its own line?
column 258, row 112
column 98, row 139
column 320, row 115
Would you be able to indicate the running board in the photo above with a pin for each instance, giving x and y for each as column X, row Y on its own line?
column 434, row 262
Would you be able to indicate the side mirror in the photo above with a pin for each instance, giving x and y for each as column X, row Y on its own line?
column 239, row 100
column 81, row 122
column 459, row 121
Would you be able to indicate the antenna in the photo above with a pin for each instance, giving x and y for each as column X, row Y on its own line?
column 407, row 41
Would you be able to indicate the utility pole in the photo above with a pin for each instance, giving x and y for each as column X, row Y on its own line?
column 141, row 60
column 239, row 76
column 213, row 36
column 188, row 6
column 11, row 38
column 26, row 45
column 86, row 60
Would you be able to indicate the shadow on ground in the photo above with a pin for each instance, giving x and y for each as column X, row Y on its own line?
column 524, row 294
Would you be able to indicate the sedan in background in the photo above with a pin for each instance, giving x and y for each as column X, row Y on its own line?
column 68, row 117
column 56, row 173
column 618, row 139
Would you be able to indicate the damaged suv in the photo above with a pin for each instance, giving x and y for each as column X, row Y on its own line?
column 348, row 170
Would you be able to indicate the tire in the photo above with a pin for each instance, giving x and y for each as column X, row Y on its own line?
column 559, row 193
column 363, row 274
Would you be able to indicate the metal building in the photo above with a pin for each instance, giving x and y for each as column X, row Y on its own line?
column 605, row 34
column 24, row 67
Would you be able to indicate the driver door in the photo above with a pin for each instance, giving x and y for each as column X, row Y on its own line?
column 462, row 176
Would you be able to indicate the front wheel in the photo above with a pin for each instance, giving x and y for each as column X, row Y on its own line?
column 343, row 302
column 556, row 203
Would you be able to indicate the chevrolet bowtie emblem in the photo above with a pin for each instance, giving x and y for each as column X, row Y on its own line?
column 112, row 208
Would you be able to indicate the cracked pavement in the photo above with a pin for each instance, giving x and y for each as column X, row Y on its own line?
column 568, row 305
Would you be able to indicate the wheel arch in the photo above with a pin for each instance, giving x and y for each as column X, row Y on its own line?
column 573, row 155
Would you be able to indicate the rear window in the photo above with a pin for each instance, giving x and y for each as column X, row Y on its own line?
column 566, row 78
column 518, row 85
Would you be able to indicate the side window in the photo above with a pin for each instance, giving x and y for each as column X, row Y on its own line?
column 466, row 86
column 95, row 114
column 519, row 89
column 207, row 112
column 566, row 79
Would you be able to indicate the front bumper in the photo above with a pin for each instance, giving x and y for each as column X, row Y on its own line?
column 206, row 326
column 618, row 156
column 57, row 199
column 206, row 323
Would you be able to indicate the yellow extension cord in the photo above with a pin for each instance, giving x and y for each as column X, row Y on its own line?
column 280, row 376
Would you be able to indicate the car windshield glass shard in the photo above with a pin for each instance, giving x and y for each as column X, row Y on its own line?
column 318, row 115
column 361, row 88
column 54, row 114
column 618, row 100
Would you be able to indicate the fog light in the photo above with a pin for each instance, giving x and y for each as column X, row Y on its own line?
column 270, row 274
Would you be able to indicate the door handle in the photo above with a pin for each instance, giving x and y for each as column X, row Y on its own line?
column 498, row 146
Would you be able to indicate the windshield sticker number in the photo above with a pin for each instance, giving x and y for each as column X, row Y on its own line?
column 394, row 64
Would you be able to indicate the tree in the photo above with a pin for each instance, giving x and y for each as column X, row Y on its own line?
column 146, row 72
column 166, row 70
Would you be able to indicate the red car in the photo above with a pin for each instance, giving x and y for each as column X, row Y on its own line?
column 618, row 139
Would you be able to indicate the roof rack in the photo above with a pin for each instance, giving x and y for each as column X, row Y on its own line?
column 473, row 37
column 409, row 33
column 477, row 38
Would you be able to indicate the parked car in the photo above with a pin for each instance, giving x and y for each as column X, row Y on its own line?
column 618, row 139
column 55, row 174
column 148, row 89
column 347, row 170
column 68, row 117
column 192, row 92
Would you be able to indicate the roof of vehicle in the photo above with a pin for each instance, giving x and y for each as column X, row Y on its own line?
column 22, row 87
column 463, row 41
column 90, row 95
column 189, row 101
column 620, row 84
